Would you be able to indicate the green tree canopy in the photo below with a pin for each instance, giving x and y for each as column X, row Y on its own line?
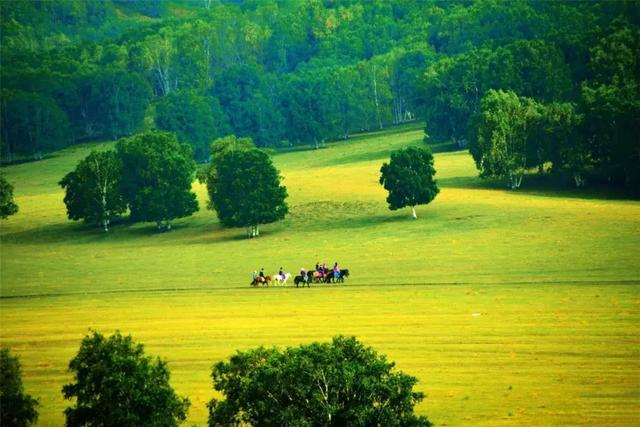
column 409, row 178
column 7, row 205
column 115, row 384
column 92, row 190
column 247, row 190
column 339, row 383
column 157, row 173
column 17, row 408
column 31, row 124
column 195, row 119
column 501, row 149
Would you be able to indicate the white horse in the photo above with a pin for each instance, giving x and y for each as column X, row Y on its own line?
column 279, row 280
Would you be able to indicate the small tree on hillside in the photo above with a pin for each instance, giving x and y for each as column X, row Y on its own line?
column 93, row 189
column 247, row 190
column 17, row 409
column 342, row 383
column 157, row 173
column 115, row 384
column 409, row 178
column 7, row 205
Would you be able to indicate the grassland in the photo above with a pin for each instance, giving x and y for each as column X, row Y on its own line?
column 512, row 308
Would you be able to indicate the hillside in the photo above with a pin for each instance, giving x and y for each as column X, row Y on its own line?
column 511, row 307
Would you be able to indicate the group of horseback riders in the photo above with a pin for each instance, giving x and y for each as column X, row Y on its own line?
column 321, row 274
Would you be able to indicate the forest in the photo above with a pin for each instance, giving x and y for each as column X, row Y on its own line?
column 527, row 86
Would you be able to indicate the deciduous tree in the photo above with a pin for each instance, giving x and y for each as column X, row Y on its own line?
column 17, row 408
column 409, row 178
column 339, row 383
column 116, row 384
column 248, row 191
column 7, row 205
column 92, row 190
column 157, row 173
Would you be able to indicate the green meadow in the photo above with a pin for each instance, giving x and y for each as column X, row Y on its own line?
column 511, row 308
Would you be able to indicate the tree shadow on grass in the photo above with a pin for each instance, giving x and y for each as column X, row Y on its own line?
column 540, row 186
column 55, row 233
column 80, row 233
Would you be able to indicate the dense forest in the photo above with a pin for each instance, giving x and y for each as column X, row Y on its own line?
column 556, row 82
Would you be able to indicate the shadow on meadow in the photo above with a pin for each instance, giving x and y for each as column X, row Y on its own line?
column 539, row 186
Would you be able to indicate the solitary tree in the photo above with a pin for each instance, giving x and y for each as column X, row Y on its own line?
column 339, row 383
column 7, row 205
column 247, row 190
column 17, row 409
column 115, row 384
column 93, row 189
column 409, row 178
column 157, row 173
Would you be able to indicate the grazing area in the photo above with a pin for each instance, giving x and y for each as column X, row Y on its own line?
column 509, row 307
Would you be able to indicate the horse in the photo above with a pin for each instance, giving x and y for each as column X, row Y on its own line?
column 343, row 273
column 317, row 276
column 330, row 277
column 278, row 280
column 302, row 279
column 263, row 281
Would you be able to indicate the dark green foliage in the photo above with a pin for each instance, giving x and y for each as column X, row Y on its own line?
column 17, row 409
column 108, row 103
column 7, row 205
column 247, row 190
column 303, row 72
column 92, row 190
column 195, row 119
column 409, row 178
column 218, row 149
column 31, row 124
column 611, row 107
column 157, row 173
column 342, row 383
column 501, row 149
column 115, row 384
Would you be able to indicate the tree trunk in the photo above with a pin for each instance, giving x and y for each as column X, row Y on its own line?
column 413, row 212
column 375, row 96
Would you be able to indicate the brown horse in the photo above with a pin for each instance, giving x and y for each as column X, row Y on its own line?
column 262, row 281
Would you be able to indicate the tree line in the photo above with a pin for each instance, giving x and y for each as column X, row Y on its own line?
column 114, row 383
column 285, row 73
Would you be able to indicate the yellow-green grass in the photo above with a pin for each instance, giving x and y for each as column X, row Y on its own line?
column 553, row 354
column 554, row 275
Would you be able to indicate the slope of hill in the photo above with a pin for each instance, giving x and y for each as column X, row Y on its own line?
column 511, row 308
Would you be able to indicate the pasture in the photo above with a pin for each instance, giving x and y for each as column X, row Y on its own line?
column 511, row 308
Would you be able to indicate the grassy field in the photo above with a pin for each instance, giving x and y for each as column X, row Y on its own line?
column 512, row 308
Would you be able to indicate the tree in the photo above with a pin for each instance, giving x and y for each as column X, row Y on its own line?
column 217, row 149
column 248, row 191
column 195, row 119
column 31, row 124
column 409, row 178
column 501, row 148
column 157, row 173
column 341, row 383
column 7, row 205
column 115, row 384
column 92, row 190
column 17, row 409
